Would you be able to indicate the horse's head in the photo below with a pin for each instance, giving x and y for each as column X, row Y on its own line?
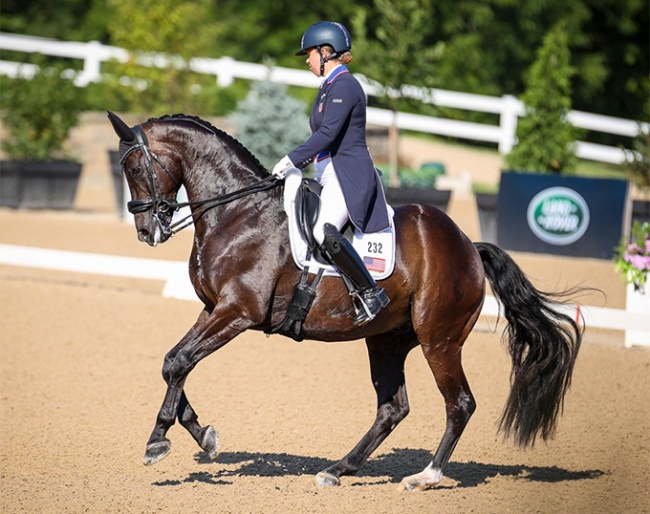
column 152, row 185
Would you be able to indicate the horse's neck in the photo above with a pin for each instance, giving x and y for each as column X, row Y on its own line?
column 218, row 167
column 213, row 175
column 217, row 182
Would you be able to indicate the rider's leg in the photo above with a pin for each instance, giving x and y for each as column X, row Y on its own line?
column 333, row 209
column 333, row 215
column 363, row 286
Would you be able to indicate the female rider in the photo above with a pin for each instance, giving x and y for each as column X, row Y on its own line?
column 351, row 186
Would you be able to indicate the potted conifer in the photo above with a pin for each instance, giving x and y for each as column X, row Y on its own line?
column 270, row 122
column 542, row 206
column 545, row 139
column 38, row 113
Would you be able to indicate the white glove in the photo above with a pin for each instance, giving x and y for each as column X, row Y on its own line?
column 281, row 168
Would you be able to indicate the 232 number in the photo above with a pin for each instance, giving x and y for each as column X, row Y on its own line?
column 374, row 247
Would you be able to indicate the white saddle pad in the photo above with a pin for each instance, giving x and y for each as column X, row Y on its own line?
column 376, row 250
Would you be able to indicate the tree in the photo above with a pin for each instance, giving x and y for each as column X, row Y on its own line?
column 481, row 47
column 181, row 30
column 259, row 30
column 38, row 113
column 638, row 163
column 63, row 19
column 269, row 122
column 612, row 58
column 546, row 140
column 391, row 38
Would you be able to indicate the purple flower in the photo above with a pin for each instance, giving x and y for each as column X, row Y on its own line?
column 633, row 259
column 640, row 262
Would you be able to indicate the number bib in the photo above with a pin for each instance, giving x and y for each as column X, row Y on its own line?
column 377, row 251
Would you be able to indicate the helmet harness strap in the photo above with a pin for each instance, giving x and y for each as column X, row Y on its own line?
column 323, row 60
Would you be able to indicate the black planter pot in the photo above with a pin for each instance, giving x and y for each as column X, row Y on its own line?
column 118, row 180
column 39, row 184
column 487, row 205
column 397, row 196
column 640, row 211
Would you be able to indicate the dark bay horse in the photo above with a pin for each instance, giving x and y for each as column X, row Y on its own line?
column 243, row 272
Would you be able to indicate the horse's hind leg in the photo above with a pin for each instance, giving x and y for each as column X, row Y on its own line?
column 387, row 354
column 206, row 437
column 445, row 363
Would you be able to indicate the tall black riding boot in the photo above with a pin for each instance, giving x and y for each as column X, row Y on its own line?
column 370, row 297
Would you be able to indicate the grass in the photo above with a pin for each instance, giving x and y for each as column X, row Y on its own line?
column 600, row 170
column 478, row 188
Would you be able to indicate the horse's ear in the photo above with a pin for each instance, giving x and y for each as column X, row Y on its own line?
column 121, row 129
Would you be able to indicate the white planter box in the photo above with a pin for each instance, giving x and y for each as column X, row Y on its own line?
column 638, row 302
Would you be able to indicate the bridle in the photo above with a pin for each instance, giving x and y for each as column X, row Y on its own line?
column 164, row 208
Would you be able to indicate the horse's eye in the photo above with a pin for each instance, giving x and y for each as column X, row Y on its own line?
column 136, row 171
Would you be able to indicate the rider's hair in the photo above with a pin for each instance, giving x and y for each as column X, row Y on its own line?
column 345, row 57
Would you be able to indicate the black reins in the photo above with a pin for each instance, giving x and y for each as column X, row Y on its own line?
column 164, row 207
column 263, row 185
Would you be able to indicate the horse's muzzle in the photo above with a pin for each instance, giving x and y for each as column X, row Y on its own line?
column 154, row 228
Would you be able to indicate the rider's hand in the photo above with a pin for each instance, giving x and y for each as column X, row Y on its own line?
column 281, row 168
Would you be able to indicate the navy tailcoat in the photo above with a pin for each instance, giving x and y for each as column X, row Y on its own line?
column 338, row 125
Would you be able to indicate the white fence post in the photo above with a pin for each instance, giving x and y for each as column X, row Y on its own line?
column 510, row 111
column 92, row 65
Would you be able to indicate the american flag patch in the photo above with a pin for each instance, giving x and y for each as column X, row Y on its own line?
column 374, row 263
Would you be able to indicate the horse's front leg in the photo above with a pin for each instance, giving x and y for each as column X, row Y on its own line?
column 207, row 336
column 158, row 446
column 206, row 437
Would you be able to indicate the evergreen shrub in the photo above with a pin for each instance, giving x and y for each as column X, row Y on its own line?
column 269, row 122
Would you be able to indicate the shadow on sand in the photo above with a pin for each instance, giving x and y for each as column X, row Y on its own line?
column 392, row 467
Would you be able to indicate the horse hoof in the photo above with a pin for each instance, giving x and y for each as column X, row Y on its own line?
column 411, row 484
column 324, row 479
column 156, row 452
column 210, row 442
column 422, row 481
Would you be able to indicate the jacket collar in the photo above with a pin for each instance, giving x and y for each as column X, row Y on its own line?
column 341, row 69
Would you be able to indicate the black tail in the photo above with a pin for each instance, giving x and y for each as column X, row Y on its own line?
column 543, row 344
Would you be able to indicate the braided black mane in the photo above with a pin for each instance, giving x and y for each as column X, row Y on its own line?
column 211, row 128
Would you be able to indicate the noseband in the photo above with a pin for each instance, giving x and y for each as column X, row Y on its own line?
column 163, row 208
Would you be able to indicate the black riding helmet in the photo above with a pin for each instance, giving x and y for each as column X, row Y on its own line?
column 326, row 33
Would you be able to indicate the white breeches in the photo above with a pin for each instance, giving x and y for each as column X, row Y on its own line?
column 333, row 209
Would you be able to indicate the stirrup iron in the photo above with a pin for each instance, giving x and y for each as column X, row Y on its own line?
column 367, row 304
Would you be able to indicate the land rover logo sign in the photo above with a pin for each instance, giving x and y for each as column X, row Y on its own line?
column 558, row 216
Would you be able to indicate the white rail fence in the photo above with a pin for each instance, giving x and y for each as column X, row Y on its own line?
column 226, row 69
